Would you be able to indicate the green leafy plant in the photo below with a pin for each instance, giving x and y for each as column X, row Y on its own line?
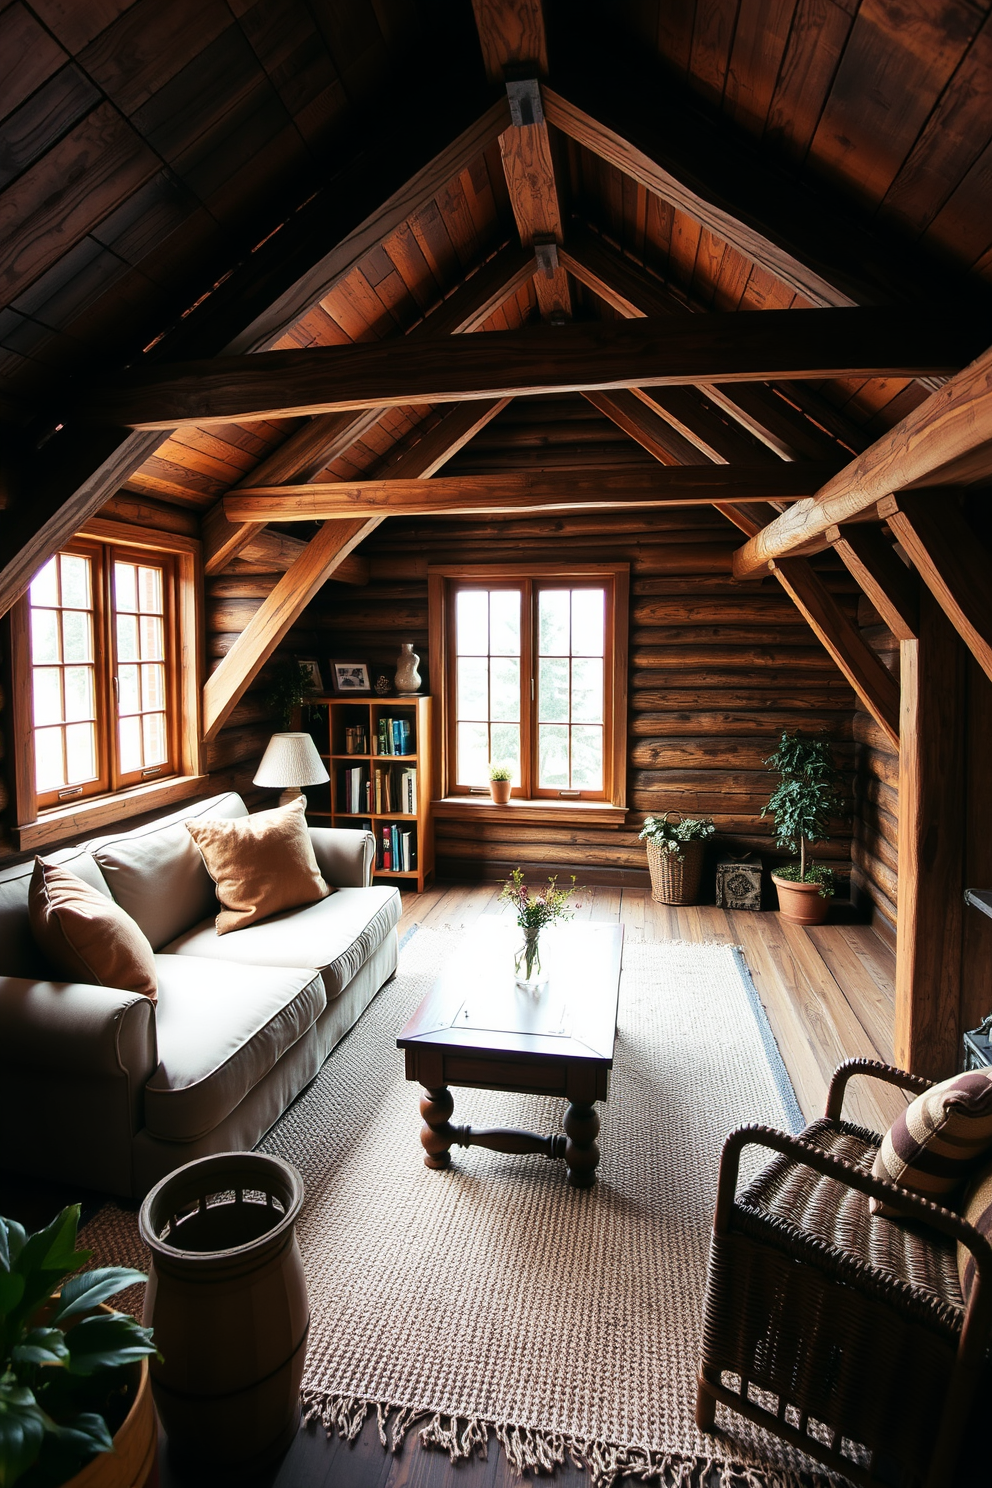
column 65, row 1380
column 288, row 686
column 669, row 836
column 500, row 772
column 802, row 803
column 536, row 909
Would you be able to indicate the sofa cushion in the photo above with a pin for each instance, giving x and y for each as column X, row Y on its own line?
column 221, row 1028
column 20, row 953
column 936, row 1143
column 156, row 873
column 86, row 935
column 336, row 936
column 261, row 864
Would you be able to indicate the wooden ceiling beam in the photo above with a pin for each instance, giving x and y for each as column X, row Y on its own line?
column 951, row 561
column 644, row 424
column 882, row 576
column 621, row 486
column 951, row 423
column 636, row 353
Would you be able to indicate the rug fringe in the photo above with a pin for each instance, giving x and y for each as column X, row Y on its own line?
column 528, row 1450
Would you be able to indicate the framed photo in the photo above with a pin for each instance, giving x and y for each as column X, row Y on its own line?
column 315, row 682
column 350, row 676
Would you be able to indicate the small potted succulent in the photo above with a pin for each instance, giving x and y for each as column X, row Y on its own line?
column 500, row 783
column 802, row 803
column 73, row 1372
column 675, row 855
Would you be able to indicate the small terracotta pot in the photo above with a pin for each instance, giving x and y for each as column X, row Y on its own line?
column 500, row 791
column 800, row 903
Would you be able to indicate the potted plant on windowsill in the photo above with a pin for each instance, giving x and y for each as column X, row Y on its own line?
column 802, row 804
column 675, row 855
column 75, row 1402
column 500, row 783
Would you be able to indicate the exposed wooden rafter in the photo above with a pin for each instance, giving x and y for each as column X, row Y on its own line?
column 779, row 344
column 883, row 577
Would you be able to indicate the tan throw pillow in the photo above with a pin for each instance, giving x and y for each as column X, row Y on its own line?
column 85, row 935
column 977, row 1210
column 935, row 1144
column 261, row 864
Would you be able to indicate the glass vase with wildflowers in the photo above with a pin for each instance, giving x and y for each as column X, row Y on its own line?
column 535, row 909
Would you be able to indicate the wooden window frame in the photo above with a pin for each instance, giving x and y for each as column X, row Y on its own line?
column 38, row 826
column 442, row 582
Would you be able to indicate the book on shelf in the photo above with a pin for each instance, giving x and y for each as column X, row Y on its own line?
column 394, row 736
column 356, row 794
column 356, row 739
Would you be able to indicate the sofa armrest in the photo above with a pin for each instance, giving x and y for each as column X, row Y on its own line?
column 74, row 1028
column 344, row 856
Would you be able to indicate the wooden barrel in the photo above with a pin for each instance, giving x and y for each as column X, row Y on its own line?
column 227, row 1298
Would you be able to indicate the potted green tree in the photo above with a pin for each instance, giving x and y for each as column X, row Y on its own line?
column 802, row 803
column 75, row 1402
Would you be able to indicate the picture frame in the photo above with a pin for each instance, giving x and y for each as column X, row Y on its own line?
column 316, row 680
column 350, row 677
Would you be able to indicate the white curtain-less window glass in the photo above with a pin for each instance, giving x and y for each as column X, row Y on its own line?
column 487, row 683
column 139, row 604
column 63, row 673
column 570, row 688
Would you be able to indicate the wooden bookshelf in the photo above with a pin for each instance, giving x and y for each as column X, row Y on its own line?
column 329, row 805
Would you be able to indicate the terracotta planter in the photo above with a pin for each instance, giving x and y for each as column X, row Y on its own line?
column 500, row 791
column 800, row 903
column 135, row 1456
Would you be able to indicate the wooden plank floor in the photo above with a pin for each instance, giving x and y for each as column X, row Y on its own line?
column 828, row 992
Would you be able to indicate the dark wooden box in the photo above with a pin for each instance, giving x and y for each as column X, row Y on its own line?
column 738, row 882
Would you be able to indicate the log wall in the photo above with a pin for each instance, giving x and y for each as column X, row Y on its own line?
column 875, row 850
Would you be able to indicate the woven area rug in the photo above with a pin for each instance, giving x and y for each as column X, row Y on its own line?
column 492, row 1299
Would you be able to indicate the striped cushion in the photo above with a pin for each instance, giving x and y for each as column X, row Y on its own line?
column 934, row 1145
column 977, row 1210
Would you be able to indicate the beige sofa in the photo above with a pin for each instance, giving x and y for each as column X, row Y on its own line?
column 109, row 1091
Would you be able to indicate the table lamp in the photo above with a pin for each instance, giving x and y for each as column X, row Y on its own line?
column 290, row 762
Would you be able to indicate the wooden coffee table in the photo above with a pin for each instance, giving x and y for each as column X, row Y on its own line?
column 476, row 1027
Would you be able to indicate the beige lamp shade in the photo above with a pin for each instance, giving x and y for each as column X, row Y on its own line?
column 290, row 761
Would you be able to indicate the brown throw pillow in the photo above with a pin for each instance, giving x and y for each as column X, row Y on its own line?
column 936, row 1143
column 261, row 864
column 85, row 935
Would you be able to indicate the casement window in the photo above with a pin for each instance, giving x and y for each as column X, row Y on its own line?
column 102, row 695
column 532, row 671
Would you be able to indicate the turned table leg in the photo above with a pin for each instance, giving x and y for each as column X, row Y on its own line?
column 437, row 1133
column 582, row 1151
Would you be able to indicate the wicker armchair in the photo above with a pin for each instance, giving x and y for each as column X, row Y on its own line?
column 847, row 1334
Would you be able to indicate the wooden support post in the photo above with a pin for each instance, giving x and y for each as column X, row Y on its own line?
column 886, row 581
column 951, row 560
column 931, row 848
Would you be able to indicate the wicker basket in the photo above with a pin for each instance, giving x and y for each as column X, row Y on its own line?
column 675, row 879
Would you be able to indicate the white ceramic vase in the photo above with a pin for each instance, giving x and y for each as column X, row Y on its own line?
column 407, row 669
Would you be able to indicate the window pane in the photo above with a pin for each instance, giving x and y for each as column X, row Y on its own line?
column 47, row 695
column 152, row 638
column 79, row 693
column 471, row 623
column 587, row 758
column 80, row 752
column 504, row 696
column 45, row 585
column 49, row 770
column 473, row 754
column 553, row 689
column 504, row 622
column 553, row 622
column 128, row 699
column 553, row 755
column 77, row 635
column 75, row 580
column 587, row 691
column 505, row 747
column 127, row 638
column 44, row 636
column 150, row 590
column 588, row 608
column 153, row 687
column 473, row 688
column 129, row 735
column 153, row 725
column 125, row 591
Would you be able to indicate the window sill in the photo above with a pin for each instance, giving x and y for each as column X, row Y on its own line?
column 106, row 811
column 545, row 809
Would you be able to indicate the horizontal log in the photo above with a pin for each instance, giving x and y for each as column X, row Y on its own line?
column 623, row 485
column 684, row 695
column 866, row 895
column 880, row 794
column 713, row 754
column 273, row 550
column 726, row 609
column 778, row 686
column 240, row 586
column 878, row 819
column 720, row 635
column 709, row 588
column 388, row 616
column 715, row 347
column 666, row 523
column 766, row 726
column 867, row 731
column 882, row 766
column 744, row 657
column 877, row 846
column 145, row 511
column 879, row 873
column 234, row 745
